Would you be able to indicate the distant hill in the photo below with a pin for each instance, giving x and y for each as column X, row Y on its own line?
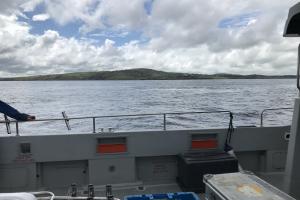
column 138, row 74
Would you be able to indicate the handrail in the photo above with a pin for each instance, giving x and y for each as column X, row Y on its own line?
column 269, row 109
column 164, row 115
column 114, row 116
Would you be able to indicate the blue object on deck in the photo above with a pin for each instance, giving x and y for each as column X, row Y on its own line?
column 167, row 196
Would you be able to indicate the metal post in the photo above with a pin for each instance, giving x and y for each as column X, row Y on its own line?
column 262, row 119
column 91, row 192
column 73, row 190
column 165, row 122
column 7, row 123
column 17, row 128
column 109, row 195
column 94, row 125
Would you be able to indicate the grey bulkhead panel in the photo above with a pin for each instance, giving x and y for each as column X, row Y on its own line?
column 59, row 160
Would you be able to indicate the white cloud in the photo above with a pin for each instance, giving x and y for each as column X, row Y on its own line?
column 191, row 23
column 111, row 34
column 67, row 11
column 96, row 14
column 29, row 6
column 40, row 17
column 183, row 37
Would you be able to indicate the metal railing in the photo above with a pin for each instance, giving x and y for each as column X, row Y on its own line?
column 66, row 119
column 93, row 118
column 269, row 109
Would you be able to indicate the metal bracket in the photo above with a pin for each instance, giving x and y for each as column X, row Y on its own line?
column 66, row 120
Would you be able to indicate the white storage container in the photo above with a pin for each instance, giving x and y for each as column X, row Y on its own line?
column 17, row 196
column 240, row 186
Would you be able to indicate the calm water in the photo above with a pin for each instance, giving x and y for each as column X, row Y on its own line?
column 245, row 98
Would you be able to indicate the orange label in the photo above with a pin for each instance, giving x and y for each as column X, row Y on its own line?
column 205, row 144
column 111, row 148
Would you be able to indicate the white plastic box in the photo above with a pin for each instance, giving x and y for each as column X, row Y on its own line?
column 17, row 196
column 240, row 186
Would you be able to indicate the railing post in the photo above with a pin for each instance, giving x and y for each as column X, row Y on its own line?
column 262, row 119
column 7, row 124
column 17, row 129
column 94, row 125
column 165, row 122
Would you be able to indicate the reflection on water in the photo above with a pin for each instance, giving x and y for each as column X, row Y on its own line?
column 245, row 98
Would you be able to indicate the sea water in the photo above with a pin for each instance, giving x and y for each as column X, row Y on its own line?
column 246, row 98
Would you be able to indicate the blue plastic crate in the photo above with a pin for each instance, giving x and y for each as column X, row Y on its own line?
column 167, row 196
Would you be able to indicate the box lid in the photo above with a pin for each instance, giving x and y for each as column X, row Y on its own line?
column 246, row 186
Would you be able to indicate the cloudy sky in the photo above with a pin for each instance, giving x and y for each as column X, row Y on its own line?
column 195, row 36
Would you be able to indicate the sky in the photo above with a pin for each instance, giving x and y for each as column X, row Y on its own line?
column 190, row 36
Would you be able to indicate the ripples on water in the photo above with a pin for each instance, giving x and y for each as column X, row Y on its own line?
column 245, row 98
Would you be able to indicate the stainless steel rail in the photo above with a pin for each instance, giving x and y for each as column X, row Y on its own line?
column 298, row 69
column 269, row 109
column 164, row 115
column 93, row 118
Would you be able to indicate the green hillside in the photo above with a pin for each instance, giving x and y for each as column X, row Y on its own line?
column 136, row 74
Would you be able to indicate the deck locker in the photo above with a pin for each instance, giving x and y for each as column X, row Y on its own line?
column 192, row 166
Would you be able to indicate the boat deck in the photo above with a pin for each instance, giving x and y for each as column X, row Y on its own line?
column 139, row 188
